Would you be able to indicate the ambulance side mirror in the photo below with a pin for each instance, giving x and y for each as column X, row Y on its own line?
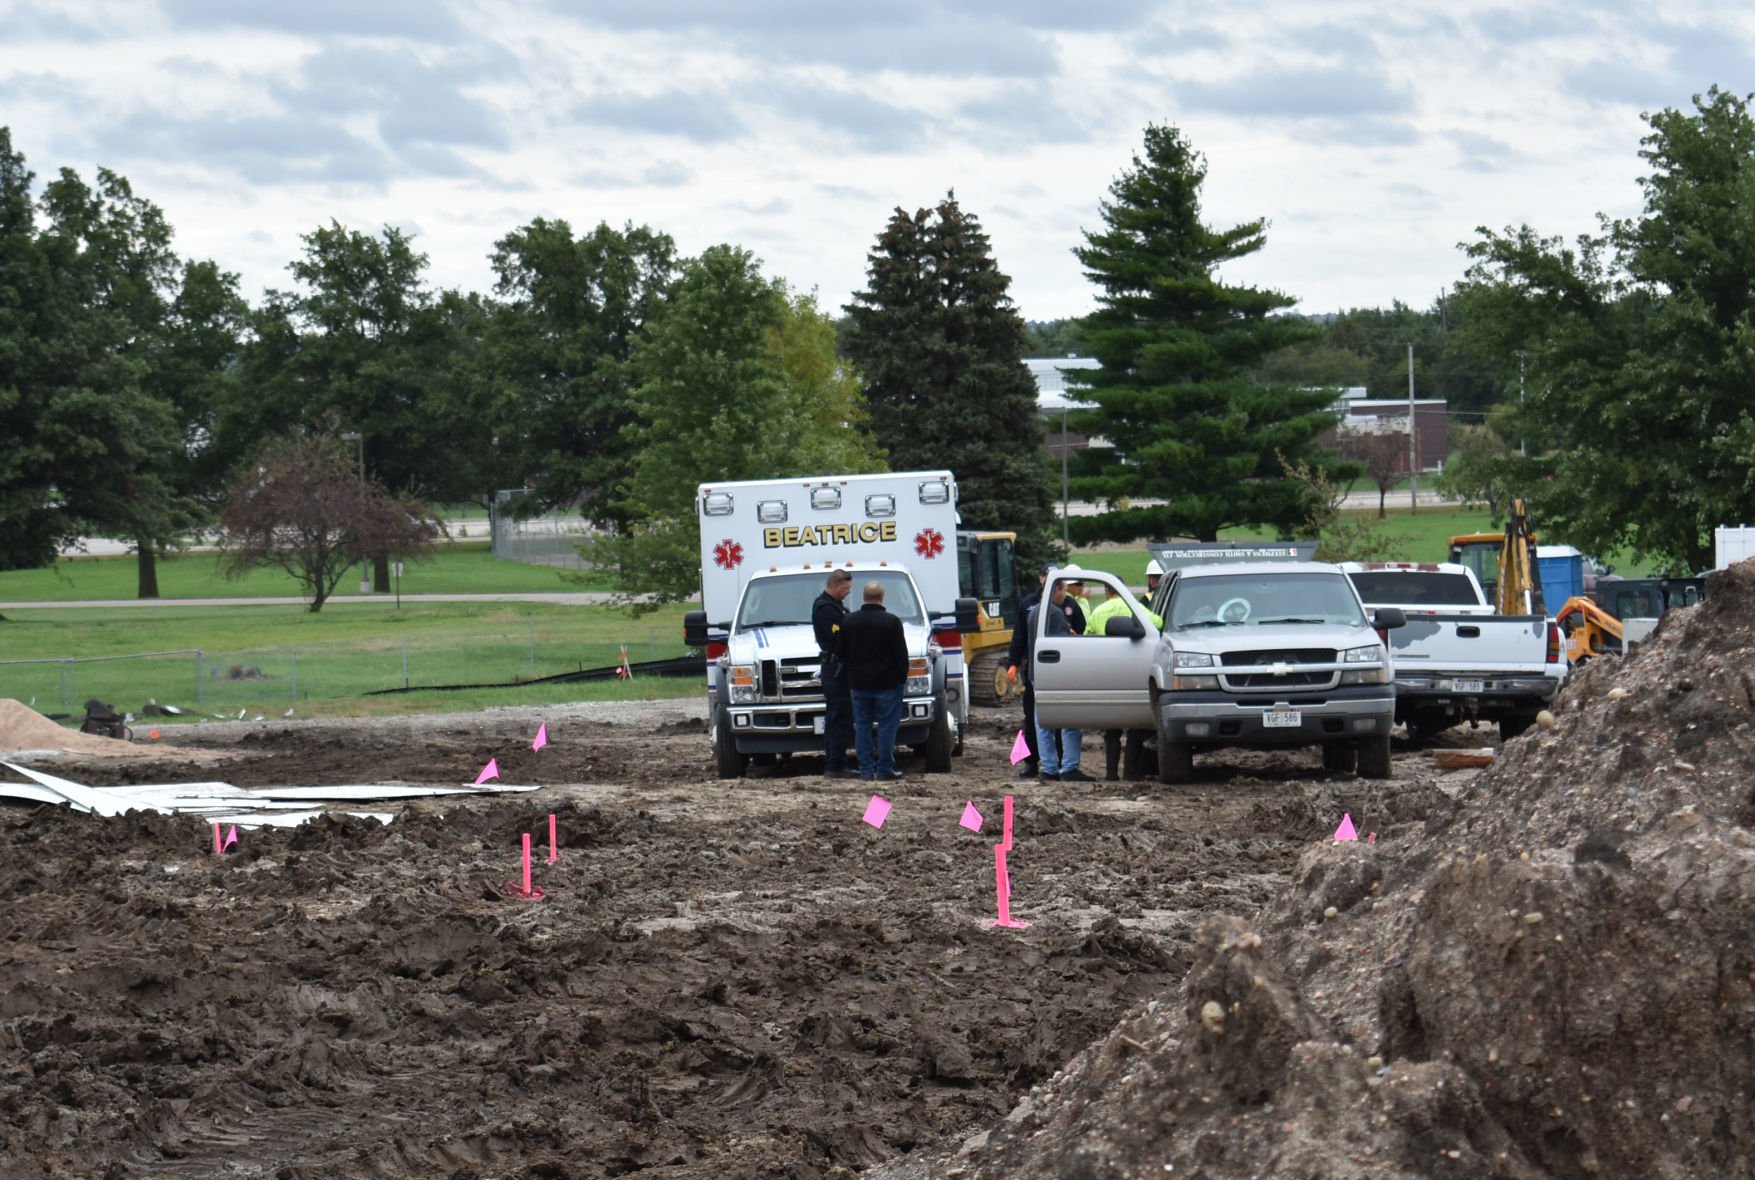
column 968, row 615
column 695, row 628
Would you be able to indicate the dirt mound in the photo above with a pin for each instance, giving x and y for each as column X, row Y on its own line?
column 1551, row 978
column 23, row 728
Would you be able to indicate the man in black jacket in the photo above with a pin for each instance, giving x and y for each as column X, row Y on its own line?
column 827, row 615
column 874, row 650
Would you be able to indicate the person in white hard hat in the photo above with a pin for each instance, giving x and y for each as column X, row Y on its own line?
column 1154, row 575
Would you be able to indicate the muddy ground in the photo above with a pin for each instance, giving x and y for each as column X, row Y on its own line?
column 722, row 980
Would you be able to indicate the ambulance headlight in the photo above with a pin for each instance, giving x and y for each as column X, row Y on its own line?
column 742, row 679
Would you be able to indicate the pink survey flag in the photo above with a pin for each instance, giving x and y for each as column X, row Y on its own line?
column 231, row 837
column 1346, row 831
column 877, row 811
column 1020, row 749
column 541, row 738
column 971, row 818
column 491, row 770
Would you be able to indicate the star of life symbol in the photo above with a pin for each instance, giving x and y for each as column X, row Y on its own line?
column 929, row 543
column 728, row 554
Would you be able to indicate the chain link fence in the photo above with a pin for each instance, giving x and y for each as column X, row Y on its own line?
column 552, row 539
column 270, row 680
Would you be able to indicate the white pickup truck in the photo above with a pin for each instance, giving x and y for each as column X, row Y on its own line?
column 1456, row 660
column 1258, row 649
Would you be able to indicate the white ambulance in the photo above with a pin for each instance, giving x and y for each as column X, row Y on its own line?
column 766, row 549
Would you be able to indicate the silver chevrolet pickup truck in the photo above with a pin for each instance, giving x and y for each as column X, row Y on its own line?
column 1252, row 653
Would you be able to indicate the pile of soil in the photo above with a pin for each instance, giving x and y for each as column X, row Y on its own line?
column 24, row 729
column 1551, row 976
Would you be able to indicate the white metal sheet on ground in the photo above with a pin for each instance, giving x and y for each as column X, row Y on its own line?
column 32, row 793
column 362, row 792
column 107, row 801
column 224, row 803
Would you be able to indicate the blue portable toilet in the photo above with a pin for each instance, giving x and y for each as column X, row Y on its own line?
column 1561, row 568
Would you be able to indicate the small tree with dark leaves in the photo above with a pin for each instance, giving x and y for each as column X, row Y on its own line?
column 303, row 508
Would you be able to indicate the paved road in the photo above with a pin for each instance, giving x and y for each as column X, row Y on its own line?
column 576, row 598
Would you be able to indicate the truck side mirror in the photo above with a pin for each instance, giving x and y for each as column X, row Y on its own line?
column 1388, row 618
column 968, row 615
column 1124, row 627
column 695, row 628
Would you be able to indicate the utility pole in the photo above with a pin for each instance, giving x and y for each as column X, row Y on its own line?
column 1413, row 436
column 1520, row 360
column 1065, row 528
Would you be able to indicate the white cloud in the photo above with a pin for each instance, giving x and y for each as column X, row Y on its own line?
column 1373, row 137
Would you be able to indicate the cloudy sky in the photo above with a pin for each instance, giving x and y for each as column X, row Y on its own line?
column 1373, row 136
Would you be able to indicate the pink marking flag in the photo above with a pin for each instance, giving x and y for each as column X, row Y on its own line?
column 217, row 849
column 1020, row 749
column 1005, row 839
column 552, row 857
column 491, row 770
column 541, row 739
column 1346, row 831
column 1002, row 884
column 231, row 837
column 971, row 818
column 877, row 811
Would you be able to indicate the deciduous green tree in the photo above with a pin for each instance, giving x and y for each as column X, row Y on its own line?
column 98, row 410
column 557, row 356
column 1194, row 443
column 1640, row 347
column 736, row 381
column 940, row 345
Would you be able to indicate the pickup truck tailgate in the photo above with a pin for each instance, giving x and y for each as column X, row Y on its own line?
column 1432, row 643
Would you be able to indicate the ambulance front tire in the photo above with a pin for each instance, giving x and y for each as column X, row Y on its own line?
column 727, row 760
column 938, row 742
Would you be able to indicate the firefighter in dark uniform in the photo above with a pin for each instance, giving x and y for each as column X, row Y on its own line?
column 826, row 616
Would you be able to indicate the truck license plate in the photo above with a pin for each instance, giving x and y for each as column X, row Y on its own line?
column 1282, row 719
column 1468, row 686
column 817, row 722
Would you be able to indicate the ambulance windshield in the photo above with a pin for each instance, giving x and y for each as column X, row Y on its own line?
column 786, row 600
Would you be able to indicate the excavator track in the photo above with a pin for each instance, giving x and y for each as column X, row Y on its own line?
column 987, row 682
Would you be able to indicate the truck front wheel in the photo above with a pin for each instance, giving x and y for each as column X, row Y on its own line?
column 728, row 761
column 1374, row 757
column 938, row 741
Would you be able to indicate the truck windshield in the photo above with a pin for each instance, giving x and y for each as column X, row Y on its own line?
column 787, row 599
column 1253, row 600
column 1415, row 588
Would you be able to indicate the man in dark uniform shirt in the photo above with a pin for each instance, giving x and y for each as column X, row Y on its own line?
column 874, row 648
column 1018, row 672
column 827, row 615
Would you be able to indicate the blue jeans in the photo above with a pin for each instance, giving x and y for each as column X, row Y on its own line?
column 882, row 708
column 1068, row 756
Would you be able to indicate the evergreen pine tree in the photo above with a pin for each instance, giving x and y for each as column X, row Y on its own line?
column 939, row 343
column 1194, row 443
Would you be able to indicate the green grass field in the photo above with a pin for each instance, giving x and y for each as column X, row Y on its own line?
column 464, row 567
column 266, row 659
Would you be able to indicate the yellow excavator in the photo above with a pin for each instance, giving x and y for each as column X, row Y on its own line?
column 987, row 570
column 1515, row 584
column 1623, row 612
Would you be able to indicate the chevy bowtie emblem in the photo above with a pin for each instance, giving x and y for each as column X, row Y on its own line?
column 1282, row 669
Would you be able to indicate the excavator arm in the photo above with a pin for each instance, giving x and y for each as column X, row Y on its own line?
column 1519, row 589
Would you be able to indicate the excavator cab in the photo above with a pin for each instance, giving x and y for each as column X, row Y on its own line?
column 987, row 570
column 1505, row 563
